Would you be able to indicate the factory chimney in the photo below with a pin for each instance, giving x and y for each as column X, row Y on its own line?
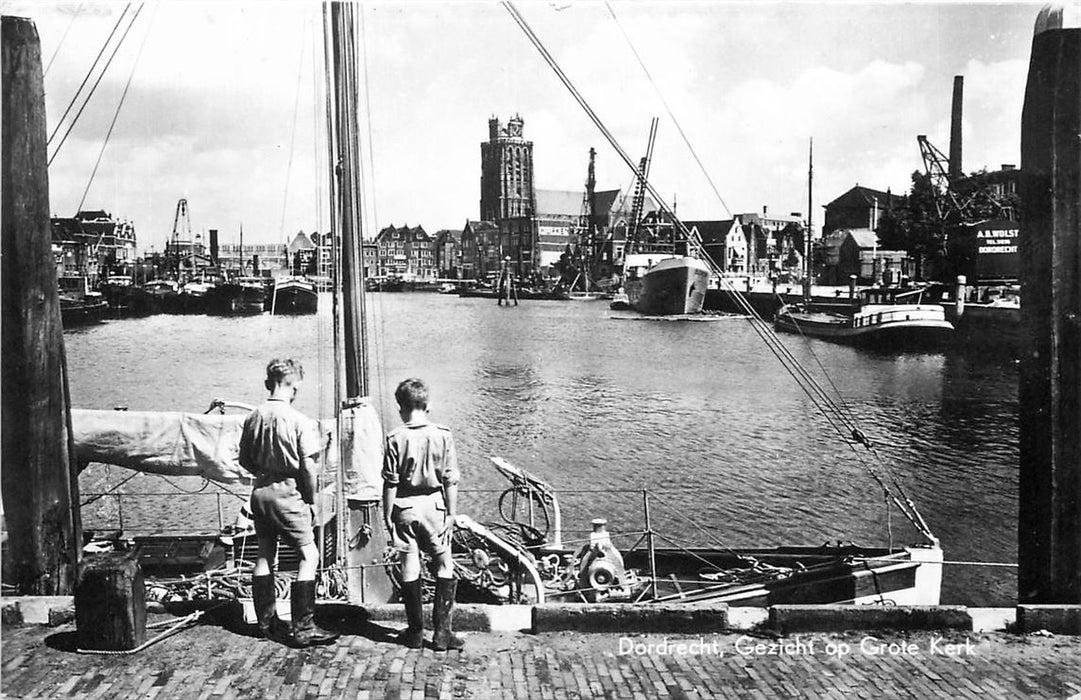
column 955, row 127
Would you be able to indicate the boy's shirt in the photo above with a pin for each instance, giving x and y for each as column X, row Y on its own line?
column 420, row 458
column 275, row 438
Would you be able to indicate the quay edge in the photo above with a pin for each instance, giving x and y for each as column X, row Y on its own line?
column 603, row 618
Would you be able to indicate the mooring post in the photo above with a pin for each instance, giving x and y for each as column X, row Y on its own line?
column 39, row 483
column 1049, row 519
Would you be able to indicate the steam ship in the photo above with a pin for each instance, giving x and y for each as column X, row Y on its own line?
column 662, row 285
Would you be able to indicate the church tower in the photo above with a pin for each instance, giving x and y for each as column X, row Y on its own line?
column 506, row 172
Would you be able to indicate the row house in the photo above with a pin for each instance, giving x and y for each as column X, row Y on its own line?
column 405, row 252
column 447, row 246
column 92, row 245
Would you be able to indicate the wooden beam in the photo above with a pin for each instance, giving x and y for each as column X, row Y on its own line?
column 1049, row 525
column 40, row 491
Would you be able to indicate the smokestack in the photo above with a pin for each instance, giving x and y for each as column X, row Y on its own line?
column 213, row 246
column 955, row 127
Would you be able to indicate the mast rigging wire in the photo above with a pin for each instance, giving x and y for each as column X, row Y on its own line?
column 368, row 178
column 668, row 109
column 116, row 114
column 90, row 72
column 818, row 396
column 93, row 89
column 63, row 37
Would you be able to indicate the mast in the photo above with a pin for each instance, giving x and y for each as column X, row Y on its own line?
column 241, row 249
column 347, row 168
column 810, row 224
column 360, row 435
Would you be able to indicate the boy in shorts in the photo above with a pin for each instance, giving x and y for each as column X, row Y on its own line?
column 420, row 499
column 280, row 446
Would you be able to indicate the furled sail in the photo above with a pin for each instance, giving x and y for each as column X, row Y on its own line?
column 207, row 445
column 169, row 443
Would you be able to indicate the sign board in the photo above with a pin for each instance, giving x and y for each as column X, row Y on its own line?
column 986, row 251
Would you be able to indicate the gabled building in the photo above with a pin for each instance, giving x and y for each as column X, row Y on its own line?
column 92, row 244
column 859, row 208
column 302, row 254
column 724, row 242
column 855, row 252
column 447, row 245
column 480, row 249
column 405, row 252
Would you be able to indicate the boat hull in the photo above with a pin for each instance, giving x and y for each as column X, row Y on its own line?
column 295, row 298
column 673, row 286
column 238, row 299
column 891, row 327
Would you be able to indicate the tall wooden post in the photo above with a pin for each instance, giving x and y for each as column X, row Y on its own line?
column 1049, row 536
column 40, row 486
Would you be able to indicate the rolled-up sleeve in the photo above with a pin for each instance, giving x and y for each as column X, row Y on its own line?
column 390, row 463
column 308, row 443
column 451, row 475
column 245, row 456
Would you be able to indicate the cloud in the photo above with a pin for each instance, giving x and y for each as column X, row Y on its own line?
column 210, row 112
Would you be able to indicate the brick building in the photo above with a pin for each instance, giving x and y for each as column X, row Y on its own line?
column 405, row 252
column 858, row 208
column 447, row 247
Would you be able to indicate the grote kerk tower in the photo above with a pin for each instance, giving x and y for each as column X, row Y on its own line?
column 506, row 172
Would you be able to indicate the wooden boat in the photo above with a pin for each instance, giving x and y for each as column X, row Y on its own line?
column 887, row 317
column 79, row 305
column 526, row 561
column 164, row 295
column 294, row 295
column 243, row 295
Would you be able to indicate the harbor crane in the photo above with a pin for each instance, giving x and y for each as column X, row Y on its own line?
column 640, row 186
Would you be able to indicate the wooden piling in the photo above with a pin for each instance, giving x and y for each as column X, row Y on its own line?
column 1049, row 519
column 39, row 484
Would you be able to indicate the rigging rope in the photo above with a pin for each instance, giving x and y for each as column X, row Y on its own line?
column 292, row 143
column 93, row 88
column 668, row 109
column 90, row 72
column 851, row 434
column 63, row 37
column 119, row 106
column 367, row 177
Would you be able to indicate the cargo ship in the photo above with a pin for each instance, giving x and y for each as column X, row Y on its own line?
column 663, row 285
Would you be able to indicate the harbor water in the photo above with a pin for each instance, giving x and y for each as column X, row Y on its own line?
column 602, row 405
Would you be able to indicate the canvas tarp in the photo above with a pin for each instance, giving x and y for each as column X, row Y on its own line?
column 207, row 445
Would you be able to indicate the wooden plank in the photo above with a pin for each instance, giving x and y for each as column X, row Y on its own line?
column 39, row 490
column 1049, row 525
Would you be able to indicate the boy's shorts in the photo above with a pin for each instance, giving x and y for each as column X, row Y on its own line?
column 420, row 524
column 277, row 507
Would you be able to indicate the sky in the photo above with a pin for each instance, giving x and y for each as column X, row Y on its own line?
column 225, row 105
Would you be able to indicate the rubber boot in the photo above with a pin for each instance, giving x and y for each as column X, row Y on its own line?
column 302, row 604
column 265, row 599
column 413, row 635
column 443, row 616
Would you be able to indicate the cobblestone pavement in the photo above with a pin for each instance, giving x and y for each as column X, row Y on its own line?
column 210, row 661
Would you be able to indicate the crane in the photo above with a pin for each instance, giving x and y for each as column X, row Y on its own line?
column 640, row 187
